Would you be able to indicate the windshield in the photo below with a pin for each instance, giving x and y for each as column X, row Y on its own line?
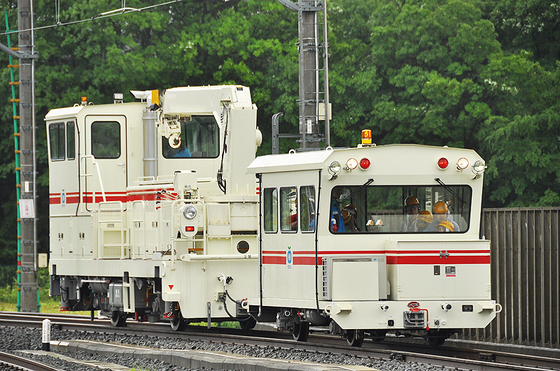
column 400, row 209
column 199, row 138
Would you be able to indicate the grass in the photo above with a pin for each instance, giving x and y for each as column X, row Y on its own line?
column 8, row 295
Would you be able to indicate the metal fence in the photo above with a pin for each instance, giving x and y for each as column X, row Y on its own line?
column 525, row 276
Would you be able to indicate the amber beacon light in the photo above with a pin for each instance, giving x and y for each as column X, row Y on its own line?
column 366, row 137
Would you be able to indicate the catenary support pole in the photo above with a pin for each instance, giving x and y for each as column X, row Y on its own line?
column 28, row 263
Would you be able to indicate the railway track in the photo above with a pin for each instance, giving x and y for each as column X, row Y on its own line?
column 12, row 362
column 452, row 354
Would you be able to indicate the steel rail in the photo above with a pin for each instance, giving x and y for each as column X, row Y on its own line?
column 476, row 358
column 11, row 360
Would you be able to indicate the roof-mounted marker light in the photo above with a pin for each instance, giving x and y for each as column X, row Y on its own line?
column 462, row 163
column 334, row 169
column 118, row 97
column 443, row 163
column 351, row 164
column 365, row 163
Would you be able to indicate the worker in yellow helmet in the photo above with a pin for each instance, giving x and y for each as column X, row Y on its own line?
column 445, row 226
column 441, row 214
column 423, row 220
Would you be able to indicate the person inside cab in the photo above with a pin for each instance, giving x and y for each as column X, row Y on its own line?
column 411, row 210
column 337, row 219
column 441, row 214
column 445, row 226
column 182, row 152
column 423, row 220
column 349, row 215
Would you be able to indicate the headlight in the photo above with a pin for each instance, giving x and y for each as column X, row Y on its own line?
column 334, row 169
column 189, row 212
column 478, row 168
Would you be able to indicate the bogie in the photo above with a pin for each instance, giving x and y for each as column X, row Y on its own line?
column 248, row 323
column 301, row 330
column 118, row 319
column 355, row 338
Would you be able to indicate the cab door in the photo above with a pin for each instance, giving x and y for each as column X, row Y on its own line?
column 105, row 161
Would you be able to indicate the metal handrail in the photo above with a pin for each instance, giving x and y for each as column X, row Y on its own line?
column 84, row 175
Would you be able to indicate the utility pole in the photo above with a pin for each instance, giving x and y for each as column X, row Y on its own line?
column 28, row 176
column 27, row 255
column 312, row 108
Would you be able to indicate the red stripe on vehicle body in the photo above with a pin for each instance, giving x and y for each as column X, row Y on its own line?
column 130, row 196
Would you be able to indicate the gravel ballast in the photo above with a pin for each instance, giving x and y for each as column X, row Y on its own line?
column 16, row 340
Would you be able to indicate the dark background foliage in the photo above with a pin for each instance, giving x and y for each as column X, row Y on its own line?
column 467, row 73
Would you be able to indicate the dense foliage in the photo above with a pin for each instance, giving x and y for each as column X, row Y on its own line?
column 467, row 73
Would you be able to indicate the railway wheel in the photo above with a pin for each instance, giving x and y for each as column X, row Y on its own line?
column 436, row 341
column 178, row 323
column 118, row 319
column 248, row 324
column 301, row 331
column 378, row 335
column 355, row 338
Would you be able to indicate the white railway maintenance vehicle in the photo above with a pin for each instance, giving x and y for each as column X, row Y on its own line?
column 159, row 211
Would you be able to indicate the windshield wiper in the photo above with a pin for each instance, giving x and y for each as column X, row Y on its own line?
column 449, row 190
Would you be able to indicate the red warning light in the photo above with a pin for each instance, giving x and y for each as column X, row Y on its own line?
column 189, row 228
column 443, row 163
column 364, row 163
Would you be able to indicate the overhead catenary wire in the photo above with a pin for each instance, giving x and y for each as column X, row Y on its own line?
column 107, row 14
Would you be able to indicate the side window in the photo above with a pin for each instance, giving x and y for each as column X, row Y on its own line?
column 56, row 138
column 71, row 140
column 106, row 139
column 307, row 218
column 270, row 210
column 288, row 209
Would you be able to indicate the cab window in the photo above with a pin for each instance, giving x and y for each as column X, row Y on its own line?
column 106, row 139
column 400, row 209
column 200, row 138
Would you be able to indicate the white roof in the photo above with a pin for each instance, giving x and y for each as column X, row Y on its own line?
column 291, row 161
column 395, row 159
column 63, row 112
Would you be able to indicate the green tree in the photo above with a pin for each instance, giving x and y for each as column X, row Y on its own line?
column 184, row 43
column 522, row 137
column 430, row 56
column 532, row 26
column 435, row 73
column 354, row 78
column 467, row 73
